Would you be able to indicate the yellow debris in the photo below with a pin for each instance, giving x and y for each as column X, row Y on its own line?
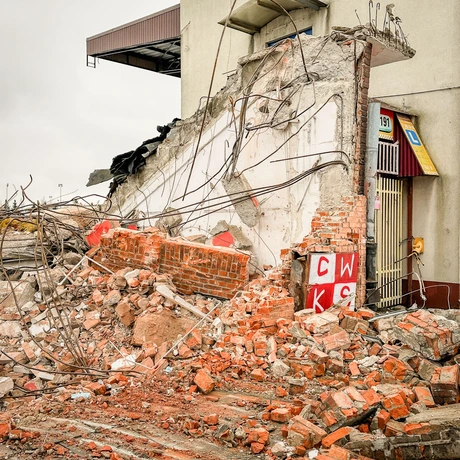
column 19, row 225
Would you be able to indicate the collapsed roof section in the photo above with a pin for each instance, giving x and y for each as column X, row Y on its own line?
column 151, row 43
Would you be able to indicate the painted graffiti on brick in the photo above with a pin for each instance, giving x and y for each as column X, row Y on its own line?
column 332, row 278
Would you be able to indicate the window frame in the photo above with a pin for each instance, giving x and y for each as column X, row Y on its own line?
column 307, row 31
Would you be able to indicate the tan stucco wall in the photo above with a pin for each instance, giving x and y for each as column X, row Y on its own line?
column 200, row 35
column 433, row 31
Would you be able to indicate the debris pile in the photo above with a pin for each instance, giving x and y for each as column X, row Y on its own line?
column 329, row 385
column 82, row 345
column 29, row 241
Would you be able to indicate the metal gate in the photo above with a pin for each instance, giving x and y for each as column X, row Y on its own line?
column 388, row 232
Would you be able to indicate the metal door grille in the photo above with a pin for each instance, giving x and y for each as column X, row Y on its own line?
column 388, row 227
column 388, row 158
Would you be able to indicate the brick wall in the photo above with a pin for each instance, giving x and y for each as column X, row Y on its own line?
column 121, row 248
column 206, row 269
column 363, row 76
column 342, row 229
column 209, row 270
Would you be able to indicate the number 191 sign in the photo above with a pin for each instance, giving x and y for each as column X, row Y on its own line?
column 387, row 125
column 332, row 278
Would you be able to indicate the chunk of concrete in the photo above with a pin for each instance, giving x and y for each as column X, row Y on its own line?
column 158, row 327
column 320, row 324
column 279, row 368
column 6, row 385
column 23, row 291
column 11, row 329
column 433, row 336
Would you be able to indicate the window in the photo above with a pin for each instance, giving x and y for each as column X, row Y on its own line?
column 308, row 31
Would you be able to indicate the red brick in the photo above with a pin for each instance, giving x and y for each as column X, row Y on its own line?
column 280, row 392
column 258, row 374
column 417, row 428
column 300, row 450
column 281, row 415
column 424, row 395
column 204, row 381
column 4, row 429
column 397, row 368
column 318, row 356
column 444, row 384
column 212, row 419
column 312, row 434
column 96, row 388
column 354, row 369
column 337, row 338
column 335, row 436
column 328, row 417
column 375, row 349
column 396, row 406
column 383, row 418
column 339, row 453
column 184, row 351
column 259, row 435
column 257, row 447
column 371, row 396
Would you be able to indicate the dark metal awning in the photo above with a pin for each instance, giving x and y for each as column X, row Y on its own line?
column 255, row 14
column 151, row 43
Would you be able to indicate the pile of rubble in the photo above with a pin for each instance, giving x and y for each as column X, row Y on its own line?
column 249, row 374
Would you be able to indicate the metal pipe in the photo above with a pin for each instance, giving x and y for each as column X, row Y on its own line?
column 389, row 315
column 177, row 342
column 370, row 187
column 410, row 207
column 372, row 148
column 66, row 277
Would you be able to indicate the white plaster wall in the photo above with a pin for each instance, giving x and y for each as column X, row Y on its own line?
column 285, row 215
column 325, row 108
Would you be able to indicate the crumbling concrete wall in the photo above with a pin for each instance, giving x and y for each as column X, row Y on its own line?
column 282, row 103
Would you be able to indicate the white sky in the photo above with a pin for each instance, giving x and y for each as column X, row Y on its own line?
column 60, row 120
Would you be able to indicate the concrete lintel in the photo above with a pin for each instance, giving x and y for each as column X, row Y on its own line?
column 313, row 4
column 383, row 54
column 255, row 14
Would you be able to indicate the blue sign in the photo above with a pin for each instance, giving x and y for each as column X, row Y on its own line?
column 413, row 138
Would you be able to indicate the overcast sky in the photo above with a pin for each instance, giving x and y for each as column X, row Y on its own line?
column 60, row 120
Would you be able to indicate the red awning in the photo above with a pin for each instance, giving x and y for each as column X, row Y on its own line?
column 408, row 164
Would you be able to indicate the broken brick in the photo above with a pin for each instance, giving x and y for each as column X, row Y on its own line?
column 204, row 381
column 258, row 374
column 280, row 415
column 424, row 395
column 303, row 432
column 336, row 436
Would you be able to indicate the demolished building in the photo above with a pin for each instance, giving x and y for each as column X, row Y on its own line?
column 234, row 322
column 406, row 177
column 280, row 155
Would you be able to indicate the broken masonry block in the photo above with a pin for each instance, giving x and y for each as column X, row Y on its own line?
column 204, row 381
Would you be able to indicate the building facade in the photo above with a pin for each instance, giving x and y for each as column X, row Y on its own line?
column 406, row 202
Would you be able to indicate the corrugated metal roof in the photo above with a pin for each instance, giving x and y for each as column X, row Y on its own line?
column 151, row 43
column 159, row 26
